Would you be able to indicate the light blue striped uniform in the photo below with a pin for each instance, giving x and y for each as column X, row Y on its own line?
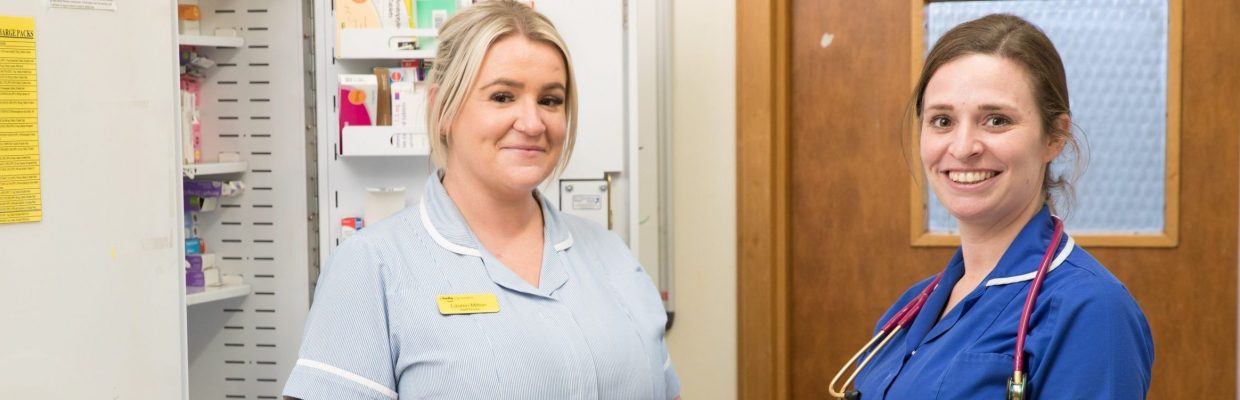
column 592, row 330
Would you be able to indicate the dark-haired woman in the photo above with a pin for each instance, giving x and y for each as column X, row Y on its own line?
column 992, row 104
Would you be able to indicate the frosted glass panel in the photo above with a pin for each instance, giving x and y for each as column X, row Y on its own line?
column 1115, row 55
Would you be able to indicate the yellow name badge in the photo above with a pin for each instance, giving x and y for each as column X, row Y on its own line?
column 475, row 303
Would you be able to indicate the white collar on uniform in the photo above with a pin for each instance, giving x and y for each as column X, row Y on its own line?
column 463, row 242
column 1059, row 259
column 442, row 241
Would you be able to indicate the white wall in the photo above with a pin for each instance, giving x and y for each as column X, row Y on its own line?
column 703, row 340
column 90, row 298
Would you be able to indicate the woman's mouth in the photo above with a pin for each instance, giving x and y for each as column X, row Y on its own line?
column 970, row 177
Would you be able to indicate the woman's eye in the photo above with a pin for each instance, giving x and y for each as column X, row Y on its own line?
column 551, row 101
column 997, row 120
column 502, row 97
column 940, row 122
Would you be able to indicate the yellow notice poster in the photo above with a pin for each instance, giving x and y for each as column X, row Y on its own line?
column 21, row 198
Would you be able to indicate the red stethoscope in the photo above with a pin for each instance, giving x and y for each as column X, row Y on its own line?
column 1016, row 384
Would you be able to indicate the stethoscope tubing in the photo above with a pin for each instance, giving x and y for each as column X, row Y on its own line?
column 900, row 320
column 903, row 318
column 1031, row 298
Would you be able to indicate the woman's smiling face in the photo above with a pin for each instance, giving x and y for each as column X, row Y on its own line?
column 983, row 146
column 510, row 132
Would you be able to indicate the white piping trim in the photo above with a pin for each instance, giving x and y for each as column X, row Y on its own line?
column 561, row 246
column 443, row 242
column 1063, row 255
column 667, row 363
column 352, row 377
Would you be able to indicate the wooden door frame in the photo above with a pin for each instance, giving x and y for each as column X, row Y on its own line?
column 762, row 78
column 762, row 87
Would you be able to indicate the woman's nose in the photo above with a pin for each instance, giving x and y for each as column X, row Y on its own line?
column 528, row 119
column 965, row 144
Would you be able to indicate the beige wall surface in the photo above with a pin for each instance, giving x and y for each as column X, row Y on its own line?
column 703, row 339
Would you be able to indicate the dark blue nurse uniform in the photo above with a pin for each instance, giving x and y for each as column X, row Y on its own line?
column 1087, row 337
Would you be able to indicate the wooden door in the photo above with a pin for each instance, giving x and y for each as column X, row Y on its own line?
column 824, row 192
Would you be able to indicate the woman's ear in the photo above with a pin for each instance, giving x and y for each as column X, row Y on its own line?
column 1059, row 137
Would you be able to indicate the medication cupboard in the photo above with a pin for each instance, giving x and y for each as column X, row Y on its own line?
column 221, row 130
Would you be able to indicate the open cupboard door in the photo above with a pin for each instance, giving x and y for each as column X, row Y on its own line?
column 89, row 294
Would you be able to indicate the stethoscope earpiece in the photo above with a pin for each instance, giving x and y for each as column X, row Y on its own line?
column 852, row 395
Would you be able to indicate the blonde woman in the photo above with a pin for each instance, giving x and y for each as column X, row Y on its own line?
column 483, row 290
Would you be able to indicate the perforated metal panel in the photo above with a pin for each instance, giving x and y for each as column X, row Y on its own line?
column 254, row 103
column 1115, row 55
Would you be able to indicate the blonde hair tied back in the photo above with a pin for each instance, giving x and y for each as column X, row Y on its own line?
column 463, row 43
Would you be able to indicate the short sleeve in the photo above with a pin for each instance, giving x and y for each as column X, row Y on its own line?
column 1101, row 349
column 346, row 348
column 672, row 380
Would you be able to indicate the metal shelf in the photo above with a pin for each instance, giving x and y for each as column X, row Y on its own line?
column 204, row 169
column 198, row 295
column 210, row 41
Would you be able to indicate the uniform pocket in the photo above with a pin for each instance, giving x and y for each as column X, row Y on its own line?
column 976, row 376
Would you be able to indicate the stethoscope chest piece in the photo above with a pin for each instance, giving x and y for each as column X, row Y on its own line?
column 852, row 395
column 1016, row 387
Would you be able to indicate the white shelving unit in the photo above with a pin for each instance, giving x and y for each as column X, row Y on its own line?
column 211, row 41
column 370, row 156
column 192, row 171
column 383, row 44
column 206, row 294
